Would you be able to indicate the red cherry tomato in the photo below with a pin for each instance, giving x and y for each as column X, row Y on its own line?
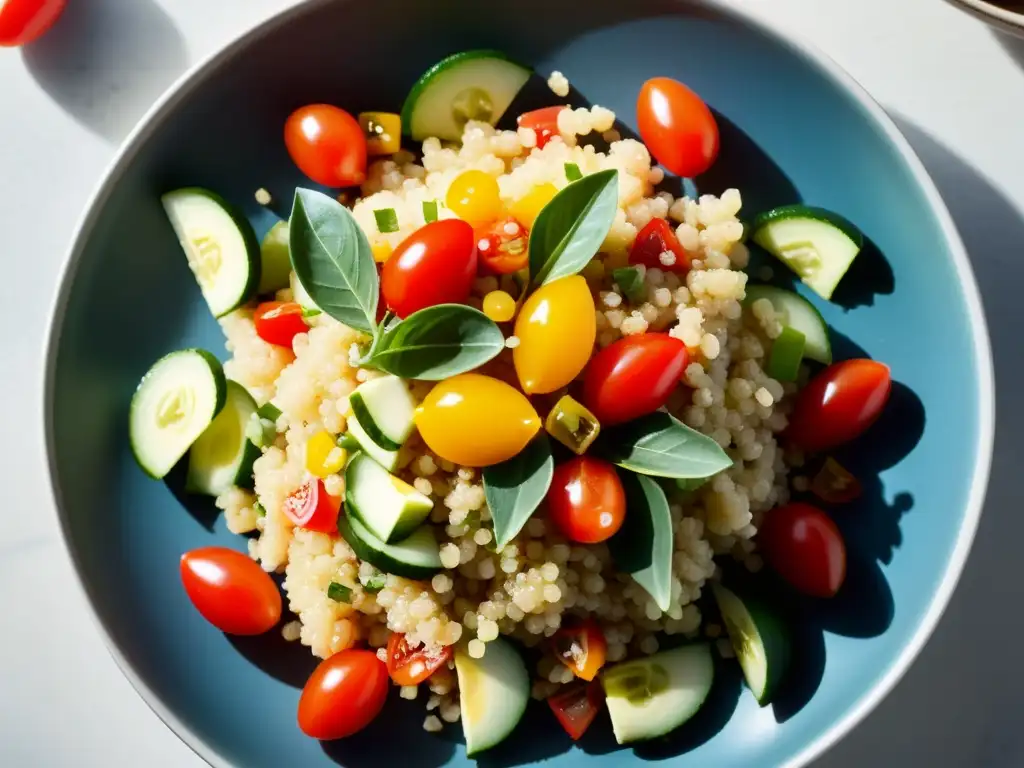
column 409, row 666
column 677, row 127
column 586, row 501
column 839, row 404
column 581, row 646
column 576, row 706
column 22, row 21
column 652, row 241
column 803, row 545
column 311, row 507
column 230, row 590
column 544, row 123
column 633, row 377
column 278, row 322
column 327, row 144
column 343, row 695
column 436, row 264
column 502, row 246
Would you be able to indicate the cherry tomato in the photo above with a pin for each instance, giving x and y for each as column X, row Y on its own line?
column 677, row 127
column 476, row 421
column 576, row 706
column 586, row 501
column 544, row 123
column 310, row 506
column 411, row 667
column 343, row 695
column 556, row 328
column 230, row 590
column 22, row 21
column 633, row 376
column 475, row 197
column 655, row 239
column 803, row 545
column 279, row 322
column 503, row 246
column 581, row 646
column 327, row 144
column 839, row 404
column 436, row 264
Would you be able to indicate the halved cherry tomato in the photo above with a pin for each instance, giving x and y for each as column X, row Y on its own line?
column 544, row 123
column 839, row 404
column 436, row 264
column 654, row 239
column 804, row 546
column 835, row 484
column 230, row 590
column 310, row 506
column 677, row 127
column 279, row 322
column 576, row 706
column 503, row 246
column 22, row 21
column 581, row 646
column 327, row 144
column 586, row 500
column 412, row 666
column 633, row 376
column 343, row 695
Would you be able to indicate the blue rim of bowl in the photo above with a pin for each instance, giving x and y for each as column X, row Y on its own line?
column 191, row 79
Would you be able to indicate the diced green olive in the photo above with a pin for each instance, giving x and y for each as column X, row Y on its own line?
column 571, row 424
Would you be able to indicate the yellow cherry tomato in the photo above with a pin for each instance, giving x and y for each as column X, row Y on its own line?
column 474, row 197
column 383, row 132
column 381, row 251
column 526, row 208
column 476, row 421
column 323, row 455
column 556, row 328
column 499, row 306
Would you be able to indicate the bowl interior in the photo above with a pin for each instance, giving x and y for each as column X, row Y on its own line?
column 790, row 131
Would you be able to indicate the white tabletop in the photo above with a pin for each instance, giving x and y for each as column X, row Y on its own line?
column 954, row 87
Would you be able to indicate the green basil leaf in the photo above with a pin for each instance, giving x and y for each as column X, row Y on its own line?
column 569, row 230
column 631, row 283
column 660, row 445
column 437, row 342
column 643, row 545
column 515, row 488
column 332, row 259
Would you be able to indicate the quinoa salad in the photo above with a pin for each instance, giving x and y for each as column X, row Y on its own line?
column 502, row 413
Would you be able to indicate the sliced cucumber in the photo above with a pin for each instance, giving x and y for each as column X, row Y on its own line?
column 303, row 299
column 798, row 313
column 275, row 259
column 493, row 692
column 385, row 409
column 473, row 85
column 388, row 506
column 417, row 557
column 759, row 639
column 383, row 456
column 815, row 243
column 786, row 355
column 223, row 455
column 221, row 247
column 175, row 402
column 649, row 697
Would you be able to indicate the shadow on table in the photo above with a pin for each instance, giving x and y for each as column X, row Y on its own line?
column 1012, row 45
column 106, row 61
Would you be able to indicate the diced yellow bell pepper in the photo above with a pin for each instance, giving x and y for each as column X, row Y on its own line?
column 381, row 251
column 528, row 207
column 383, row 132
column 571, row 424
column 323, row 455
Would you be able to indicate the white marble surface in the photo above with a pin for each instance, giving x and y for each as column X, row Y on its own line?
column 955, row 88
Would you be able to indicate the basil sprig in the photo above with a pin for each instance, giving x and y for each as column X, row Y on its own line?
column 334, row 264
column 515, row 488
column 661, row 445
column 570, row 229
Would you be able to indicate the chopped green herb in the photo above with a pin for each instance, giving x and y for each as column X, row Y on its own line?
column 631, row 281
column 429, row 210
column 374, row 582
column 259, row 509
column 348, row 442
column 573, row 172
column 339, row 593
column 387, row 220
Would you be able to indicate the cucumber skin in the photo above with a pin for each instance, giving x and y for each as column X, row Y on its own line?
column 252, row 243
column 400, row 531
column 800, row 211
column 417, row 90
column 378, row 559
column 369, row 425
column 220, row 381
column 765, row 291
